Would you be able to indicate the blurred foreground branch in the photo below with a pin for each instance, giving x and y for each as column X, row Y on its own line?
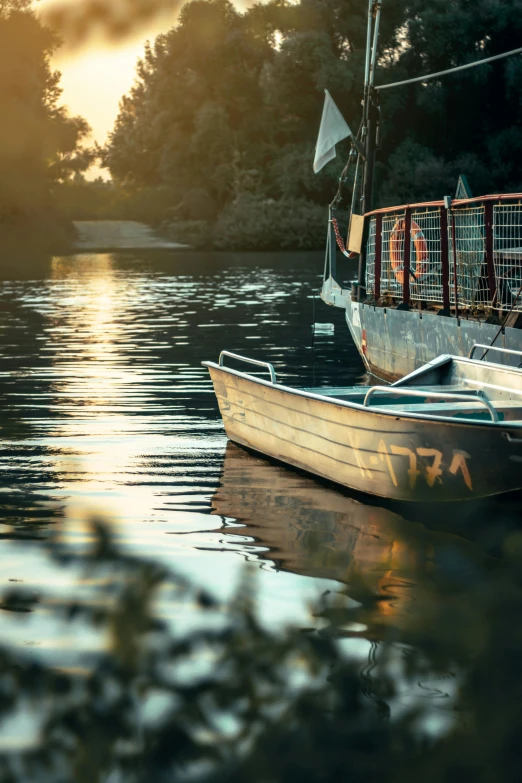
column 113, row 19
column 212, row 695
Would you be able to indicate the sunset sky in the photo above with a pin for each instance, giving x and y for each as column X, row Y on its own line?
column 96, row 77
column 94, row 81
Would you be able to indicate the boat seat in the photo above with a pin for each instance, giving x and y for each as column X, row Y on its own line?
column 351, row 391
column 509, row 410
column 488, row 392
column 441, row 388
column 334, row 391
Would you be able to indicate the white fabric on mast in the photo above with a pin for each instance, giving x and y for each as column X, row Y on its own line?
column 333, row 129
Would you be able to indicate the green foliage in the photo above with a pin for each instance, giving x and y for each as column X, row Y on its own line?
column 151, row 205
column 228, row 103
column 39, row 141
column 79, row 199
column 472, row 113
column 254, row 223
column 195, row 233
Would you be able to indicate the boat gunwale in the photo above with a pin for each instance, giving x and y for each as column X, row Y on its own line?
column 362, row 408
column 455, row 204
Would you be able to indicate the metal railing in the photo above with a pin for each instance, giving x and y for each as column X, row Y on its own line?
column 265, row 365
column 450, row 397
column 466, row 258
column 487, row 348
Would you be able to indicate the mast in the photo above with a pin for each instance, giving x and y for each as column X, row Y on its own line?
column 368, row 48
column 370, row 124
column 371, row 113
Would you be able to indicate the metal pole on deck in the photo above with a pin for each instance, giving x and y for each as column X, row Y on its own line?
column 451, row 214
column 455, row 265
column 371, row 117
column 371, row 147
column 370, row 103
column 332, row 246
column 378, row 8
column 368, row 48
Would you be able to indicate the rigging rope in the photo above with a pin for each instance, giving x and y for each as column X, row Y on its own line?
column 339, row 240
column 450, row 70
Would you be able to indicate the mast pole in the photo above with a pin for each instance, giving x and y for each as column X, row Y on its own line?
column 368, row 49
column 371, row 114
column 370, row 127
column 378, row 8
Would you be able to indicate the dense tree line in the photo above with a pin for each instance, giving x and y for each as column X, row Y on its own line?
column 220, row 125
column 468, row 122
column 40, row 144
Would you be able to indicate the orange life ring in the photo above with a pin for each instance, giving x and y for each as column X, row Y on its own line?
column 420, row 267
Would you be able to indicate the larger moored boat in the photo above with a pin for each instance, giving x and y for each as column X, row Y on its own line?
column 464, row 285
column 434, row 278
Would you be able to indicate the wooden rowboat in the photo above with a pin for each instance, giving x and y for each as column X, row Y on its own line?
column 451, row 430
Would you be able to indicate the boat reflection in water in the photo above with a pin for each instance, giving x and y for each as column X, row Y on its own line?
column 387, row 563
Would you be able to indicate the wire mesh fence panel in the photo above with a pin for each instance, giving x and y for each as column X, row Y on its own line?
column 470, row 243
column 370, row 258
column 426, row 256
column 477, row 250
column 392, row 254
column 507, row 255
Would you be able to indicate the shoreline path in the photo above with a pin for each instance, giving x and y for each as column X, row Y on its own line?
column 120, row 235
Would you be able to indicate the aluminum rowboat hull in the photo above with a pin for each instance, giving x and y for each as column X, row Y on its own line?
column 389, row 454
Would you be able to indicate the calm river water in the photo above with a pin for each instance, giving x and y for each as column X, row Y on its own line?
column 107, row 410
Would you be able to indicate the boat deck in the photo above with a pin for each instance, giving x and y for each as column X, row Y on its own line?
column 507, row 402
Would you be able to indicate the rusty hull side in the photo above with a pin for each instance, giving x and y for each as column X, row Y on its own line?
column 393, row 343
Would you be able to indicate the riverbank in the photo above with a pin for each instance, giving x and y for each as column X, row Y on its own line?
column 106, row 235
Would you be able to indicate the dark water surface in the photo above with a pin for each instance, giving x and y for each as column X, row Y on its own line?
column 106, row 409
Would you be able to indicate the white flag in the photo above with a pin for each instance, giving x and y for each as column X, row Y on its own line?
column 333, row 130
